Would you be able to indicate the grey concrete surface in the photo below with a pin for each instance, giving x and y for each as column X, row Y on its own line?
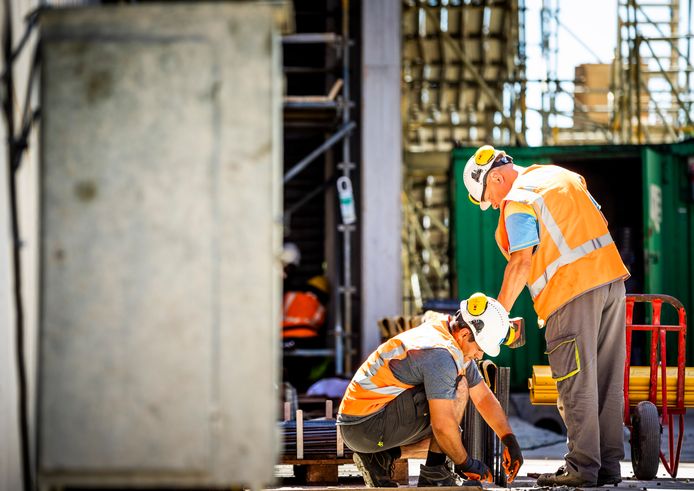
column 161, row 234
column 381, row 168
column 543, row 452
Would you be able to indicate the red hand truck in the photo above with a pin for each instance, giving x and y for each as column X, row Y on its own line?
column 644, row 424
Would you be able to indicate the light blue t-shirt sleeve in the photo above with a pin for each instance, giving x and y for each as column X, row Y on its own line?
column 436, row 370
column 522, row 230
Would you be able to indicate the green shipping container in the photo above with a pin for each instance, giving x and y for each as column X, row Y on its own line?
column 647, row 196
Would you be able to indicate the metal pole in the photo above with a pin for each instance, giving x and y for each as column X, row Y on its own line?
column 631, row 29
column 689, row 52
column 619, row 96
column 301, row 165
column 343, row 338
column 637, row 56
column 673, row 89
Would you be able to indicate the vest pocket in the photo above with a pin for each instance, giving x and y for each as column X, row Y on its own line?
column 564, row 358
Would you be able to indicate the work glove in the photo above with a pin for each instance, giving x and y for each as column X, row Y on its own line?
column 513, row 458
column 474, row 469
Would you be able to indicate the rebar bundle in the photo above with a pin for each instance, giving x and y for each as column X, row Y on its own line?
column 319, row 439
column 479, row 439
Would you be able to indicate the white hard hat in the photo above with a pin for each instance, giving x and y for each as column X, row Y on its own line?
column 290, row 254
column 488, row 321
column 485, row 159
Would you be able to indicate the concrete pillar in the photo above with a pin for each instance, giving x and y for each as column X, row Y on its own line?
column 161, row 234
column 381, row 167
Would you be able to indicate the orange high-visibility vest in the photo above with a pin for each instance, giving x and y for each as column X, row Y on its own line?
column 576, row 251
column 303, row 315
column 374, row 385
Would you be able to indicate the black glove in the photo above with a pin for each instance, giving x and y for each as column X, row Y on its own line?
column 513, row 458
column 474, row 469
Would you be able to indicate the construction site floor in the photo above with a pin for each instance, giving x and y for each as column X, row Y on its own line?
column 349, row 478
column 543, row 452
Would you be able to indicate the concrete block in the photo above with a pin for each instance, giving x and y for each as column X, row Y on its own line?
column 160, row 285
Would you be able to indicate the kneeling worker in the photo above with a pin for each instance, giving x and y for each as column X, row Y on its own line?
column 415, row 386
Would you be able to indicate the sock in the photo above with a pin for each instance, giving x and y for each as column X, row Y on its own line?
column 435, row 458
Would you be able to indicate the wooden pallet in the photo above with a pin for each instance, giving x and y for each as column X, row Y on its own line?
column 323, row 470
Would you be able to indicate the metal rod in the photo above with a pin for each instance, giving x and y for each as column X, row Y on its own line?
column 347, row 289
column 637, row 54
column 311, row 38
column 662, row 37
column 303, row 163
column 675, row 92
column 321, row 439
column 669, row 129
column 339, row 443
column 689, row 47
column 299, row 204
column 299, row 434
column 576, row 38
column 631, row 29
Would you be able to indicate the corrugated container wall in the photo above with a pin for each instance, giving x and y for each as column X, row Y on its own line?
column 647, row 196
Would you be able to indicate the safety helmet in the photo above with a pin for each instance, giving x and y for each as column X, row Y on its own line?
column 474, row 175
column 290, row 254
column 320, row 282
column 488, row 321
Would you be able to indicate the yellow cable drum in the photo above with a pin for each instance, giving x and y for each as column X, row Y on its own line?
column 543, row 388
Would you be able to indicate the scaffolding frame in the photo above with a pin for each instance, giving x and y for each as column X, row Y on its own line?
column 463, row 81
column 462, row 64
column 652, row 84
column 648, row 96
column 311, row 111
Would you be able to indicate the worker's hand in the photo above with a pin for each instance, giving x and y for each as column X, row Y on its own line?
column 474, row 469
column 513, row 458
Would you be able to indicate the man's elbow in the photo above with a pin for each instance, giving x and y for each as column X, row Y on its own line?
column 522, row 259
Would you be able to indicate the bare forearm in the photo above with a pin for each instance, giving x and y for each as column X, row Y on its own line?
column 515, row 277
column 494, row 415
column 449, row 441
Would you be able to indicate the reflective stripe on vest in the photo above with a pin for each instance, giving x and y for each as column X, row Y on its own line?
column 303, row 314
column 364, row 378
column 568, row 258
column 576, row 252
column 374, row 384
column 302, row 309
column 568, row 255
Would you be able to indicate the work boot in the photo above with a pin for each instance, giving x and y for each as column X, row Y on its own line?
column 563, row 477
column 376, row 469
column 441, row 475
column 604, row 480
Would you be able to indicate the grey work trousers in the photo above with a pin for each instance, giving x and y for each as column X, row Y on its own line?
column 586, row 348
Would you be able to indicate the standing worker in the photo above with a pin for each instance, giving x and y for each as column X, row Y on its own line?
column 413, row 390
column 556, row 241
